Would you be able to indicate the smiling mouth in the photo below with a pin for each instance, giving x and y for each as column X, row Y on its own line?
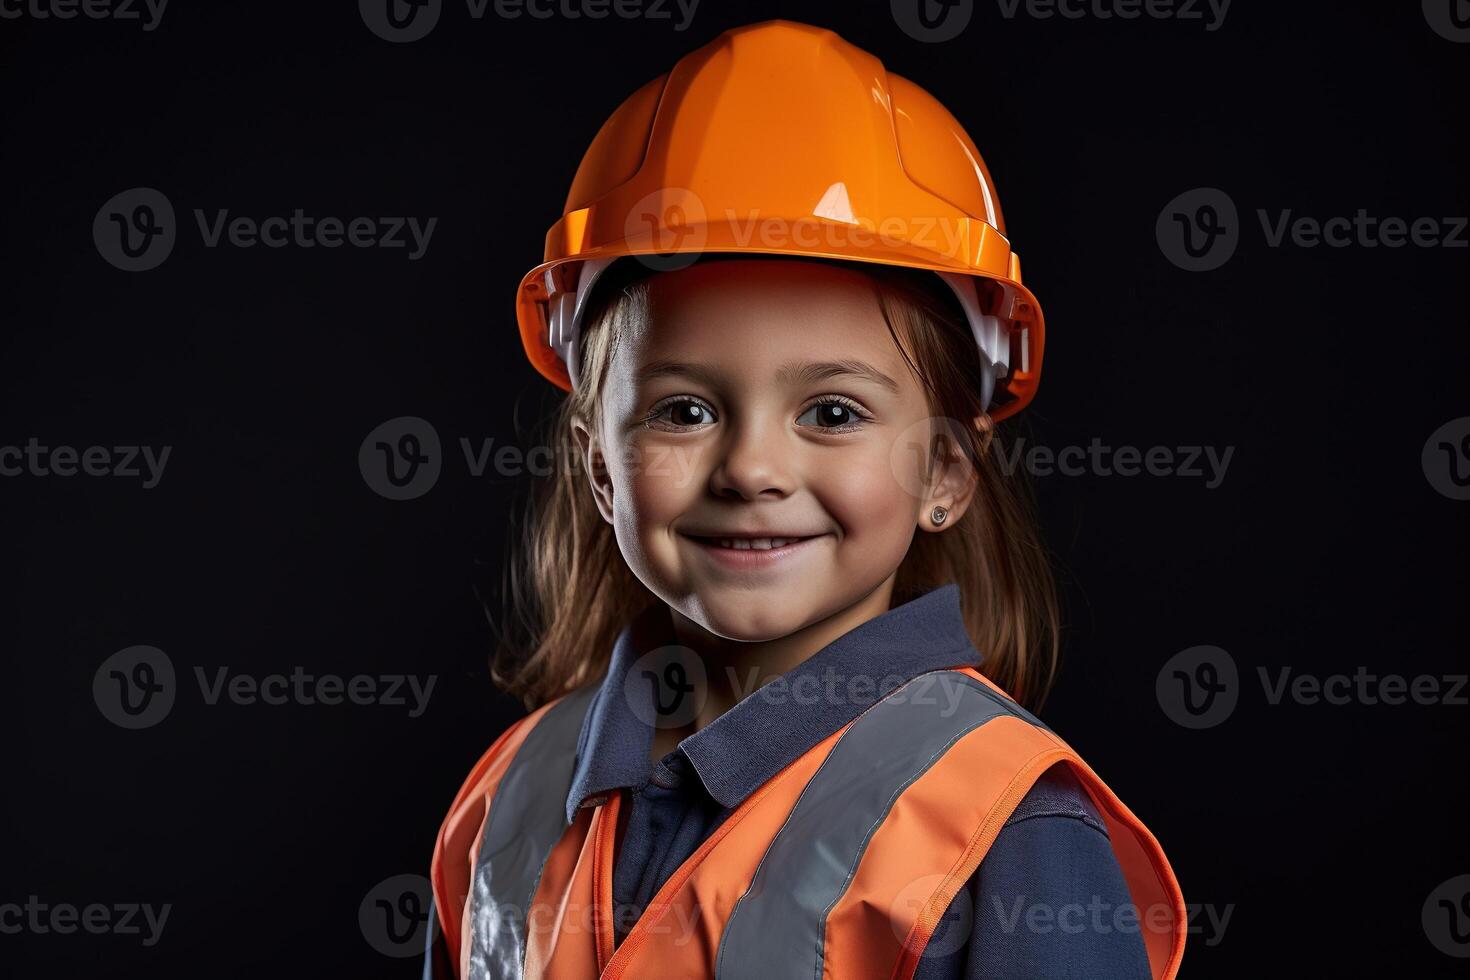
column 750, row 543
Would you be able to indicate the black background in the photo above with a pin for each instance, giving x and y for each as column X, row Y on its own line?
column 1321, row 829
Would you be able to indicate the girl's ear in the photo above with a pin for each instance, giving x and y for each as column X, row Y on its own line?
column 594, row 463
column 953, row 477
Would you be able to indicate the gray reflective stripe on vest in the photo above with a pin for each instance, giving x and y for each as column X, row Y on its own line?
column 528, row 815
column 777, row 928
column 433, row 940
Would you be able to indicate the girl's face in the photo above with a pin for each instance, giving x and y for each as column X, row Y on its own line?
column 764, row 453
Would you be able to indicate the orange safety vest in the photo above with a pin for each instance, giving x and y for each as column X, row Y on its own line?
column 841, row 865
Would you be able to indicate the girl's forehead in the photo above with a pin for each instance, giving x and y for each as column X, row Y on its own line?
column 767, row 332
column 762, row 326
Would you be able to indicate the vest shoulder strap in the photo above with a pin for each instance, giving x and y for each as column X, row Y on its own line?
column 894, row 822
column 510, row 811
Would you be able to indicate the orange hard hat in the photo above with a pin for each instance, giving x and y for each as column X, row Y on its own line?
column 780, row 138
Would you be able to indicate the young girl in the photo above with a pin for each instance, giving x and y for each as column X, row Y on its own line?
column 781, row 585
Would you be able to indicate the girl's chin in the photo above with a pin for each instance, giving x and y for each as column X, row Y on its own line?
column 749, row 615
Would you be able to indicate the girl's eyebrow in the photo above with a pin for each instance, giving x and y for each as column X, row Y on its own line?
column 806, row 373
column 792, row 373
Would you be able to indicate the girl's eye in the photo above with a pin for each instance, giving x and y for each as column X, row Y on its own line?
column 681, row 413
column 833, row 414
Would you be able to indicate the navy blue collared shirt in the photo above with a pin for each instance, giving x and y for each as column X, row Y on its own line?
column 1025, row 911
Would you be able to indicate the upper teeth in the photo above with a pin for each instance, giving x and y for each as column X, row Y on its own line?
column 753, row 544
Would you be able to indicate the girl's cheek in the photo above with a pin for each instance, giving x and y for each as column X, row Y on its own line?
column 658, row 481
column 865, row 497
column 666, row 455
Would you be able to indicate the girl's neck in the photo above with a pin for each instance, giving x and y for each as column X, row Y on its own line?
column 736, row 668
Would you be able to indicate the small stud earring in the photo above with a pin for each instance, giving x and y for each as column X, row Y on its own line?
column 938, row 514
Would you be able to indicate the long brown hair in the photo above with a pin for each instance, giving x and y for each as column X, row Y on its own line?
column 569, row 592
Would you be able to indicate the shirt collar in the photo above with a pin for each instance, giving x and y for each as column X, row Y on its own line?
column 772, row 726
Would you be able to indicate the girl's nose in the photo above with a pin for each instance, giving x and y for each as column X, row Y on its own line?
column 754, row 460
